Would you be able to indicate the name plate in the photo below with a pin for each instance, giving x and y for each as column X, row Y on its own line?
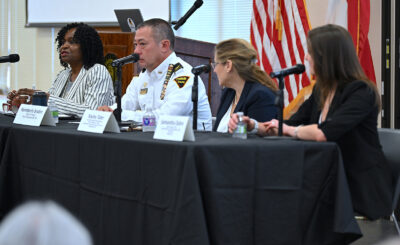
column 34, row 115
column 174, row 128
column 98, row 122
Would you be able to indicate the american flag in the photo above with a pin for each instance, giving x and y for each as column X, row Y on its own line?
column 278, row 32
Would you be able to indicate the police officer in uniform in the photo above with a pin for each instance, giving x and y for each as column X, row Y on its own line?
column 165, row 83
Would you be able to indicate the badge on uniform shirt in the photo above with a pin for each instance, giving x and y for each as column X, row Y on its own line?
column 144, row 89
column 177, row 67
column 181, row 81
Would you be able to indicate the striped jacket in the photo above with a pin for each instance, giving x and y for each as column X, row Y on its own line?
column 91, row 89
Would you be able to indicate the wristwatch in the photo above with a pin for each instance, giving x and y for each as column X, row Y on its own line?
column 255, row 129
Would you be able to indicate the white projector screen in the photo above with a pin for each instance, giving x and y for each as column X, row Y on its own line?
column 50, row 13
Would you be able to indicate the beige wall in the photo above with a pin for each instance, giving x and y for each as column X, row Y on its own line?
column 37, row 65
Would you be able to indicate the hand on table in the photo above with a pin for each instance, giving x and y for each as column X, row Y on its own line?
column 271, row 128
column 105, row 108
column 233, row 122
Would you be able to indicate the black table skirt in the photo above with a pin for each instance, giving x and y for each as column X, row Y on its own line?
column 131, row 189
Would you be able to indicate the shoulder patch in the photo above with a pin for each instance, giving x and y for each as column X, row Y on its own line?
column 177, row 67
column 181, row 81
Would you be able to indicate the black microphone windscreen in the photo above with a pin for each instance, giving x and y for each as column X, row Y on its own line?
column 198, row 3
column 201, row 68
column 135, row 57
column 14, row 58
column 301, row 68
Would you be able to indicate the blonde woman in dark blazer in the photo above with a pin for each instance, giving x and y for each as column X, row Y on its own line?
column 247, row 88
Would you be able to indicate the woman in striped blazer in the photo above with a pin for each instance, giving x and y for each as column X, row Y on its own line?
column 85, row 83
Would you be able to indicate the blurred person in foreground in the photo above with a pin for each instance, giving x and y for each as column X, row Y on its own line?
column 343, row 108
column 248, row 89
column 165, row 83
column 42, row 223
column 395, row 240
column 85, row 83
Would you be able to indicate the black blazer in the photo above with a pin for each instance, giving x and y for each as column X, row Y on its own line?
column 256, row 101
column 351, row 122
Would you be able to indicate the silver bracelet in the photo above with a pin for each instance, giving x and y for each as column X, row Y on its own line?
column 255, row 129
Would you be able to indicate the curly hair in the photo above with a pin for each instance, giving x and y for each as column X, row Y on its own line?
column 89, row 40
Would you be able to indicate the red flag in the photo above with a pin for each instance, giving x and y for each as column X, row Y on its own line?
column 358, row 18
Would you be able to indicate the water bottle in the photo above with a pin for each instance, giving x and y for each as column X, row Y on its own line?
column 149, row 120
column 54, row 111
column 241, row 129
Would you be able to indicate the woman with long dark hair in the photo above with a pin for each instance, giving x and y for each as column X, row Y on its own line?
column 343, row 108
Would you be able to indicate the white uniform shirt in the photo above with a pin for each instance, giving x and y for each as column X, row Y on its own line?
column 146, row 90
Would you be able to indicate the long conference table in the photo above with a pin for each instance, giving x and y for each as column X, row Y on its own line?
column 131, row 189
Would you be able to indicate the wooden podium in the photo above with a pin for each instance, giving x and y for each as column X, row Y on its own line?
column 119, row 44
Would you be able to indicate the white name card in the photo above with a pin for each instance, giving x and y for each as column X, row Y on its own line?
column 98, row 122
column 34, row 115
column 174, row 128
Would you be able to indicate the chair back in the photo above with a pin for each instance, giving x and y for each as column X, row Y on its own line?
column 390, row 141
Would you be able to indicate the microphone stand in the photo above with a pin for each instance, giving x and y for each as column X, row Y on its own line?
column 279, row 104
column 195, row 99
column 182, row 20
column 118, row 92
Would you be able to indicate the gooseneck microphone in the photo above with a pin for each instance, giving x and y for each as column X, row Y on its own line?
column 297, row 69
column 195, row 89
column 118, row 81
column 125, row 60
column 9, row 58
column 201, row 69
column 182, row 20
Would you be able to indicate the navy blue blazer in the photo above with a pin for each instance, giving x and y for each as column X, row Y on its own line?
column 256, row 101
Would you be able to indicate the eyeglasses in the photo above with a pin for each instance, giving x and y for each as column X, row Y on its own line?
column 214, row 64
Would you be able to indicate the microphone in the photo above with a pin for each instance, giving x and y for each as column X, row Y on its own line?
column 126, row 60
column 201, row 68
column 10, row 58
column 297, row 69
column 182, row 20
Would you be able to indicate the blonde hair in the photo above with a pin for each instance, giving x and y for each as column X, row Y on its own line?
column 244, row 59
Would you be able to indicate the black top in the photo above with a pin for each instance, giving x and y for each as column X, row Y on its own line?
column 256, row 101
column 351, row 122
